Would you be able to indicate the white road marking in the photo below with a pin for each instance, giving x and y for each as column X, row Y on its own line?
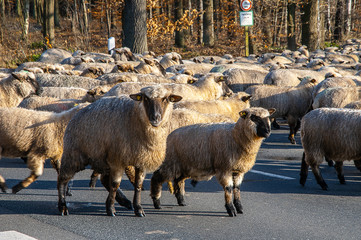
column 11, row 235
column 272, row 175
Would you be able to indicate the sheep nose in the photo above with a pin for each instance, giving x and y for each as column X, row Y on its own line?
column 155, row 119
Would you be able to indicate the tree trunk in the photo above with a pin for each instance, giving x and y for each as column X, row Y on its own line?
column 348, row 18
column 108, row 17
column 134, row 24
column 329, row 19
column 26, row 11
column 57, row 14
column 291, row 25
column 48, row 23
column 309, row 25
column 208, row 25
column 85, row 18
column 200, row 39
column 337, row 34
column 266, row 29
column 2, row 10
column 179, row 34
column 216, row 17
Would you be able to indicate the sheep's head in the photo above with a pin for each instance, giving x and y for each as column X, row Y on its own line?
column 29, row 79
column 258, row 119
column 155, row 100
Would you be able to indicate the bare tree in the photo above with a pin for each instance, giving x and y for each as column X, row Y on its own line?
column 291, row 25
column 310, row 24
column 179, row 33
column 25, row 18
column 348, row 18
column 134, row 22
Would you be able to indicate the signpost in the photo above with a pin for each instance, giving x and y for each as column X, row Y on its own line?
column 246, row 19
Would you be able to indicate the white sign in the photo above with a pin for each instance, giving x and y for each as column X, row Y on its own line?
column 246, row 5
column 111, row 44
column 246, row 18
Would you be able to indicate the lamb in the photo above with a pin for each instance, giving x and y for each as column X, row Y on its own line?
column 290, row 102
column 16, row 87
column 133, row 132
column 331, row 133
column 25, row 134
column 337, row 97
column 224, row 150
column 228, row 107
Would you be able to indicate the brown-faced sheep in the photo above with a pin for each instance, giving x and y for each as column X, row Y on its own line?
column 25, row 133
column 228, row 107
column 331, row 133
column 170, row 59
column 226, row 150
column 133, row 133
column 16, row 87
column 290, row 102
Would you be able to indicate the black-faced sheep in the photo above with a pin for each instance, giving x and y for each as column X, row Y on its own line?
column 26, row 133
column 133, row 133
column 226, row 150
column 290, row 102
column 331, row 133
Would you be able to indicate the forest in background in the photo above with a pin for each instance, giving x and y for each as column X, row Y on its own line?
column 87, row 24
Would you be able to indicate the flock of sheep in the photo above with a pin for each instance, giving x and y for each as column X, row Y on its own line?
column 133, row 113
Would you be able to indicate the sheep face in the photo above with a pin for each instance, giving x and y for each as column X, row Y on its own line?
column 259, row 121
column 155, row 103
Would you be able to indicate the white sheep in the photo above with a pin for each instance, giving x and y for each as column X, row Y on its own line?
column 49, row 104
column 25, row 133
column 337, row 97
column 16, row 87
column 114, row 133
column 201, row 151
column 331, row 133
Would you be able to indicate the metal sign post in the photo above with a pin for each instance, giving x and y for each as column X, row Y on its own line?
column 246, row 19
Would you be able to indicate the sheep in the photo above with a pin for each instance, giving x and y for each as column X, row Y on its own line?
column 191, row 68
column 25, row 134
column 334, row 82
column 16, row 87
column 48, row 103
column 108, row 67
column 228, row 107
column 240, row 79
column 331, row 133
column 209, row 87
column 53, row 80
column 93, row 72
column 337, row 97
column 150, row 66
column 133, row 132
column 290, row 102
column 63, row 92
column 170, row 59
column 123, row 54
column 224, row 150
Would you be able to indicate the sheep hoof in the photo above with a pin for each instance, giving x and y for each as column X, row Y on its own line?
column 156, row 203
column 3, row 187
column 323, row 185
column 139, row 212
column 238, row 206
column 62, row 208
column 111, row 213
column 180, row 200
column 69, row 193
column 231, row 210
column 292, row 140
column 17, row 188
column 303, row 180
column 276, row 125
column 342, row 179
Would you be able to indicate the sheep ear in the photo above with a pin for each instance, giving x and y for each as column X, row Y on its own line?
column 136, row 97
column 220, row 79
column 313, row 80
column 148, row 61
column 191, row 81
column 271, row 111
column 91, row 92
column 243, row 114
column 174, row 98
column 300, row 78
column 246, row 98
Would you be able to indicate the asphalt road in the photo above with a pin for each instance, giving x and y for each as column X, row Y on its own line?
column 275, row 205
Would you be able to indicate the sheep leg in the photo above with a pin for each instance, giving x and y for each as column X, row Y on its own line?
column 156, row 188
column 294, row 125
column 227, row 183
column 339, row 170
column 316, row 171
column 304, row 171
column 329, row 162
column 139, row 178
column 62, row 188
column 275, row 124
column 357, row 164
column 119, row 197
column 93, row 179
column 36, row 166
column 3, row 186
column 179, row 190
column 237, row 181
